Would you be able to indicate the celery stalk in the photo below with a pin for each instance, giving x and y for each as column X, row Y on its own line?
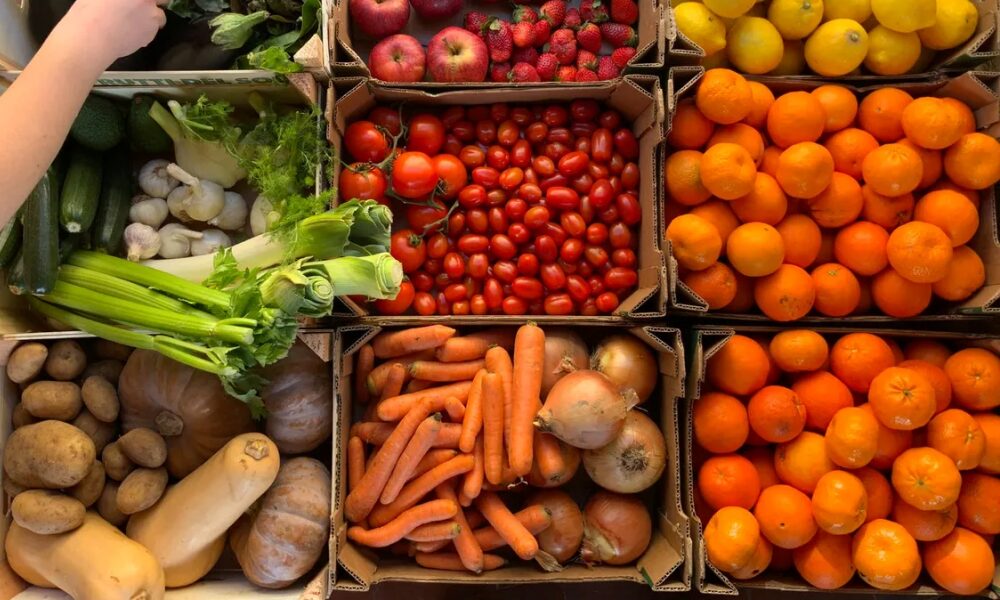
column 126, row 290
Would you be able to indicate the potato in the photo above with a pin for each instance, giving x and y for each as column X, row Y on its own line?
column 144, row 447
column 107, row 505
column 101, row 433
column 140, row 490
column 10, row 488
column 58, row 400
column 108, row 369
column 89, row 490
column 46, row 512
column 26, row 362
column 101, row 398
column 66, row 360
column 110, row 350
column 49, row 454
column 117, row 466
column 20, row 416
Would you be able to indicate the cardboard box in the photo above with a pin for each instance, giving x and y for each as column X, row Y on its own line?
column 663, row 567
column 350, row 48
column 980, row 90
column 703, row 343
column 638, row 98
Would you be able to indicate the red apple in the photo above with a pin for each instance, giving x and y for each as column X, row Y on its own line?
column 457, row 55
column 398, row 58
column 380, row 18
column 436, row 9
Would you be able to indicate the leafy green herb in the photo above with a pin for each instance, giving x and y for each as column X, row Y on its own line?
column 272, row 59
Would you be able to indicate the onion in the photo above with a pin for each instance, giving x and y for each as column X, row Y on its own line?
column 571, row 460
column 629, row 362
column 616, row 529
column 584, row 409
column 565, row 352
column 633, row 461
column 562, row 538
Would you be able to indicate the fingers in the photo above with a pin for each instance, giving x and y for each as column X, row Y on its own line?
column 162, row 2
column 161, row 19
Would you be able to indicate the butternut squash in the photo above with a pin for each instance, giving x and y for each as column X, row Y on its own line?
column 186, row 529
column 92, row 562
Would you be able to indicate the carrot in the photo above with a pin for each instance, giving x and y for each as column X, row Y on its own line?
column 442, row 371
column 376, row 379
column 393, row 382
column 549, row 460
column 360, row 500
column 507, row 525
column 493, row 416
column 398, row 343
column 415, row 385
column 472, row 483
column 535, row 518
column 498, row 361
column 475, row 345
column 433, row 532
column 428, row 547
column 413, row 491
column 395, row 530
column 447, row 561
column 465, row 542
column 362, row 368
column 355, row 462
column 415, row 450
column 393, row 409
column 433, row 458
column 376, row 434
column 526, row 387
column 455, row 409
column 473, row 421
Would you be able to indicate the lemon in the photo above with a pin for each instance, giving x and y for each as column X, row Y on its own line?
column 700, row 26
column 856, row 10
column 795, row 19
column 956, row 22
column 905, row 16
column 754, row 45
column 793, row 62
column 837, row 47
column 729, row 8
column 891, row 52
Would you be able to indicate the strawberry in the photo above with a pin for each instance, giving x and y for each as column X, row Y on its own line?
column 588, row 37
column 546, row 65
column 553, row 11
column 524, row 14
column 573, row 19
column 523, row 72
column 607, row 69
column 567, row 73
column 475, row 22
column 622, row 55
column 586, row 59
column 528, row 55
column 619, row 35
column 499, row 72
column 523, row 34
column 542, row 32
column 499, row 39
column 594, row 11
column 585, row 75
column 625, row 12
column 563, row 45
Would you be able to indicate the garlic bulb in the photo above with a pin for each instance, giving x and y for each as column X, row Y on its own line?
column 204, row 199
column 233, row 215
column 176, row 201
column 175, row 240
column 141, row 241
column 262, row 215
column 211, row 240
column 148, row 211
column 155, row 180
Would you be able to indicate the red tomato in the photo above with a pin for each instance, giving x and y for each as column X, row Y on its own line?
column 597, row 234
column 499, row 111
column 493, row 293
column 598, row 171
column 527, row 265
column 511, row 178
column 573, row 163
column 409, row 249
column 516, row 208
column 477, row 305
column 426, row 134
column 452, row 115
column 487, row 177
column 505, row 271
column 601, row 145
column 596, row 256
column 610, row 119
column 413, row 175
column 607, row 302
column 562, row 198
column 530, row 193
column 518, row 233
column 601, row 194
column 624, row 257
column 560, row 135
column 496, row 197
column 537, row 132
column 578, row 288
column 629, row 208
column 512, row 305
column 365, row 142
column 425, row 217
column 400, row 303
column 573, row 223
column 556, row 232
column 486, row 132
column 589, row 308
column 452, row 145
column 620, row 236
column 460, row 308
column 472, row 196
column 386, row 118
column 571, row 250
column 543, row 166
column 454, row 266
column 555, row 115
column 558, row 304
column 620, row 278
column 527, row 288
column 363, row 182
column 465, row 131
column 456, row 292
column 546, row 248
column 626, row 144
column 443, row 306
column 502, row 247
column 555, row 150
column 582, row 183
column 498, row 220
column 478, row 221
column 424, row 304
column 508, row 133
column 520, row 154
column 456, row 224
column 553, row 276
column 521, row 115
column 536, row 217
column 471, row 243
column 438, row 245
column 497, row 157
column 452, row 174
column 478, row 265
column 584, row 111
column 630, row 176
column 472, row 156
column 422, row 282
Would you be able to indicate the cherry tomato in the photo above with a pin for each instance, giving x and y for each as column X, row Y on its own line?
column 598, row 171
column 556, row 232
column 365, row 142
column 583, row 130
column 620, row 236
column 596, row 284
column 472, row 156
column 426, row 134
column 438, row 245
column 512, row 305
column 527, row 265
column 583, row 269
column 518, row 233
column 573, row 163
column 626, row 144
column 496, row 197
column 453, row 264
column 530, row 193
column 409, row 249
column 493, row 293
column 624, row 257
column 578, row 288
column 400, row 304
column 456, row 225
column 487, row 177
column 497, row 157
column 601, row 194
column 582, row 144
column 556, row 180
column 606, row 302
column 553, row 276
column 601, row 145
column 584, row 111
column 589, row 308
column 508, row 133
column 516, row 208
column 555, row 150
column 527, row 288
column 587, row 209
column 558, row 304
column 610, row 119
column 441, row 280
column 560, row 135
column 537, row 132
column 571, row 250
column 546, row 248
column 499, row 111
column 620, row 278
column 478, row 265
column 502, row 247
column 520, row 154
column 562, row 198
column 629, row 208
column 478, row 221
column 477, row 305
column 460, row 308
column 364, row 182
column 452, row 174
column 452, row 145
column 465, row 131
column 521, row 115
column 555, row 115
column 630, row 176
column 543, row 166
column 413, row 175
column 486, row 132
column 386, row 118
column 573, row 223
column 597, row 234
column 609, row 215
column 617, row 163
column 424, row 304
column 583, row 183
column 536, row 217
column 511, row 178
column 443, row 307
column 498, row 220
column 422, row 282
column 596, row 256
column 472, row 196
column 456, row 292
column 471, row 243
column 505, row 271
column 425, row 217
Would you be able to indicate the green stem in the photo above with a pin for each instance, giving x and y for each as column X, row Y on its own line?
column 126, row 290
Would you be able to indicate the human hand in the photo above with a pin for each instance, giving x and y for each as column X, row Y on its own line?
column 110, row 29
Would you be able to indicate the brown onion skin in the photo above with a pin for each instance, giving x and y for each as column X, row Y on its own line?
column 633, row 461
column 565, row 352
column 629, row 362
column 584, row 409
column 617, row 529
column 571, row 456
column 562, row 539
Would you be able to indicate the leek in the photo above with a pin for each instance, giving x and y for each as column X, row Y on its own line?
column 197, row 149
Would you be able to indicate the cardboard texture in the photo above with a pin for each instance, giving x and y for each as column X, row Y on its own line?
column 981, row 47
column 980, row 90
column 350, row 48
column 638, row 98
column 663, row 567
column 703, row 343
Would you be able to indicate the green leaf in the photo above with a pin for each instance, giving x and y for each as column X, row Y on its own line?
column 233, row 30
column 273, row 59
column 213, row 6
column 184, row 8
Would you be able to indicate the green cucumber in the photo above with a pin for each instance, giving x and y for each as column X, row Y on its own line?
column 116, row 197
column 10, row 241
column 41, row 235
column 81, row 190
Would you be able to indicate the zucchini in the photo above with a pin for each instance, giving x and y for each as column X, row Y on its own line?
column 116, row 200
column 15, row 275
column 81, row 190
column 41, row 235
column 10, row 241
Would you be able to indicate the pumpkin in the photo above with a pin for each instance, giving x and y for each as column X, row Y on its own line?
column 284, row 538
column 187, row 407
column 299, row 401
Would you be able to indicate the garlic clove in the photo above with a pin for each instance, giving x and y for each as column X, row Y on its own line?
column 150, row 211
column 211, row 240
column 141, row 241
column 175, row 240
column 155, row 180
column 233, row 215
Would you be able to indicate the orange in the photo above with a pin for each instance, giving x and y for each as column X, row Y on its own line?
column 881, row 113
column 899, row 297
column 861, row 247
column 965, row 275
column 967, row 120
column 892, row 170
column 978, row 508
column 799, row 350
column 932, row 123
column 804, row 170
column 890, row 443
column 938, row 379
column 839, row 204
column 885, row 555
column 802, row 461
column 950, row 211
column 975, row 378
column 728, row 480
column 961, row 562
column 683, row 175
column 857, row 358
column 763, row 460
column 776, row 414
column 840, row 106
column 731, row 538
column 695, row 242
column 785, row 516
column 849, row 147
column 762, row 100
column 901, row 398
column 837, row 290
column 739, row 367
column 886, row 211
column 758, row 563
column 716, row 285
column 990, row 424
column 925, row 525
column 728, row 171
column 787, row 294
column 720, row 423
column 743, row 301
column 973, row 161
column 755, row 249
column 795, row 117
column 852, row 438
column 839, row 503
column 823, row 395
column 769, row 161
column 689, row 129
column 866, row 302
column 802, row 239
column 825, row 561
column 766, row 202
column 724, row 96
column 721, row 215
column 945, row 184
column 919, row 251
column 878, row 491
column 930, row 351
column 932, row 160
column 740, row 134
column 825, row 247
column 927, row 479
column 958, row 436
